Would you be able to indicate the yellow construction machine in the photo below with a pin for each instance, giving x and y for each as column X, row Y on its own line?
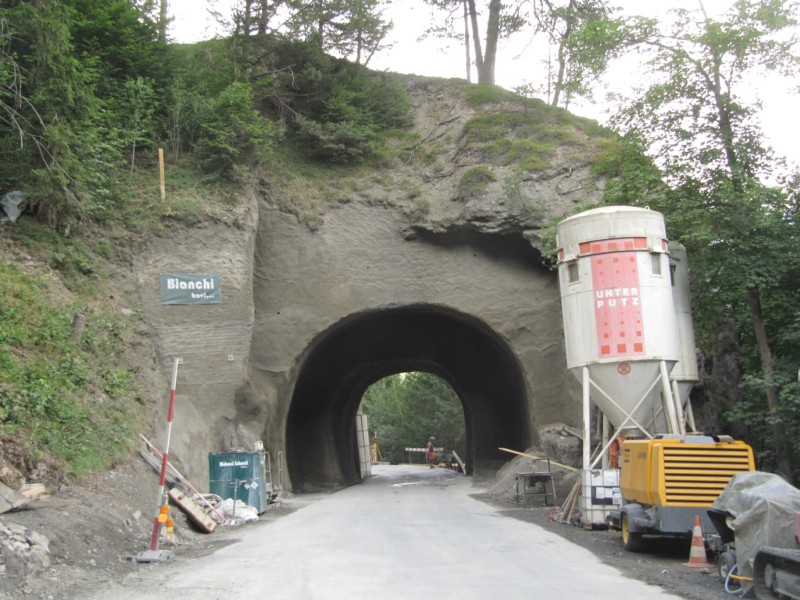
column 665, row 482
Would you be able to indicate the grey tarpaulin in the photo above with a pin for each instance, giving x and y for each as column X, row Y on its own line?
column 761, row 509
column 14, row 204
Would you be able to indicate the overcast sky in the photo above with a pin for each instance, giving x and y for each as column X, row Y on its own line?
column 516, row 65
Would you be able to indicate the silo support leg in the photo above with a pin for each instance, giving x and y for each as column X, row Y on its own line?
column 669, row 402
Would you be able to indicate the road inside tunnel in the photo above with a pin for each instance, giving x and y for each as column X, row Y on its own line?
column 354, row 354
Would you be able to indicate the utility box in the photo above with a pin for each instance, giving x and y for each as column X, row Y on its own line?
column 240, row 476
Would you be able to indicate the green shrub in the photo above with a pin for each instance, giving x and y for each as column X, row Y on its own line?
column 482, row 93
column 338, row 142
column 339, row 110
column 70, row 398
column 234, row 132
column 419, row 209
column 474, row 182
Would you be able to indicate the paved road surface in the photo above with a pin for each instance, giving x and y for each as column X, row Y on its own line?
column 408, row 533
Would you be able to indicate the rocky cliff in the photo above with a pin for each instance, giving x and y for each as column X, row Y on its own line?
column 431, row 262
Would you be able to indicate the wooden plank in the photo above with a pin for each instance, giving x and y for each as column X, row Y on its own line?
column 552, row 462
column 196, row 514
column 460, row 462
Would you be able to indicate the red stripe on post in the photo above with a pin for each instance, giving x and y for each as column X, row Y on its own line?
column 164, row 469
column 171, row 405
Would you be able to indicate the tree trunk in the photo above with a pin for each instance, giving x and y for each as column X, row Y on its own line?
column 476, row 38
column 247, row 19
column 783, row 456
column 562, row 53
column 466, row 41
column 486, row 70
column 162, row 22
column 264, row 15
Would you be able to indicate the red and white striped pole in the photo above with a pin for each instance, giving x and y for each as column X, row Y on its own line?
column 161, row 513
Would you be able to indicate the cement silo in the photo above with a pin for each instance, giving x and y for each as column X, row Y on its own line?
column 620, row 327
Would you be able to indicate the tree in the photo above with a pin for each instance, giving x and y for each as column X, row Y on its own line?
column 118, row 39
column 349, row 28
column 163, row 20
column 233, row 133
column 585, row 37
column 136, row 109
column 703, row 135
column 39, row 146
column 501, row 21
column 256, row 17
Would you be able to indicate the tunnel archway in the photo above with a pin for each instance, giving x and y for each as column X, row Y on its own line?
column 360, row 350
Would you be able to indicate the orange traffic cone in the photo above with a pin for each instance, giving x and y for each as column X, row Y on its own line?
column 697, row 555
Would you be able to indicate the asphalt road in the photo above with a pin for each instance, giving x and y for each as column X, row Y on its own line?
column 407, row 533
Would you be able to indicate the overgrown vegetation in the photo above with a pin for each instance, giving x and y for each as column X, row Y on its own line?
column 473, row 182
column 65, row 394
column 408, row 408
column 90, row 90
column 528, row 137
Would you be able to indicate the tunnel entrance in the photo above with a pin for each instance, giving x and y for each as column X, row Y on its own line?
column 360, row 350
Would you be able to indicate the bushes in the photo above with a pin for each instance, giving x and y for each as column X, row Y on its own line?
column 338, row 109
column 233, row 132
column 68, row 397
column 474, row 182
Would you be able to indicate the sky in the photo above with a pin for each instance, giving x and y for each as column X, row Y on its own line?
column 517, row 64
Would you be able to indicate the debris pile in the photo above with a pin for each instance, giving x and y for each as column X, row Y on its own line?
column 504, row 487
column 24, row 552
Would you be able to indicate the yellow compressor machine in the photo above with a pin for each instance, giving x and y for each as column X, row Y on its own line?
column 665, row 482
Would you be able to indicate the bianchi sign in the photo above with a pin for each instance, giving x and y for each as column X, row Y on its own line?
column 190, row 288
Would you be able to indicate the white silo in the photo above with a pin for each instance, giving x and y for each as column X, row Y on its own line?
column 620, row 326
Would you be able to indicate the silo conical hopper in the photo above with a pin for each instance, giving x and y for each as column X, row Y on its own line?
column 618, row 311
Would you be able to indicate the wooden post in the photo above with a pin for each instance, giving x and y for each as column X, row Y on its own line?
column 162, row 179
column 78, row 325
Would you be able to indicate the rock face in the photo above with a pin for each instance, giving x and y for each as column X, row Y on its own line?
column 389, row 282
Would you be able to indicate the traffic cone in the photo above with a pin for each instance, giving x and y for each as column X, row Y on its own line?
column 697, row 555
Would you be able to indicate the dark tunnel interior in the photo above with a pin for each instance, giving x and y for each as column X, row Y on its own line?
column 320, row 430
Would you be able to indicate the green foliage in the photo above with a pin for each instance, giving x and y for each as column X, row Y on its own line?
column 406, row 409
column 353, row 29
column 65, row 62
column 420, row 208
column 529, row 138
column 118, row 39
column 342, row 109
column 233, row 132
column 631, row 178
column 473, row 182
column 740, row 233
column 78, row 267
column 479, row 94
column 584, row 37
column 69, row 396
column 135, row 109
column 338, row 142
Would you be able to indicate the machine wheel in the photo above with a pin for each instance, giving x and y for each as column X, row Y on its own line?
column 725, row 565
column 631, row 539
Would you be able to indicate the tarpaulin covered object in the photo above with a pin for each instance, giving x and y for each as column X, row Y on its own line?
column 14, row 204
column 760, row 508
